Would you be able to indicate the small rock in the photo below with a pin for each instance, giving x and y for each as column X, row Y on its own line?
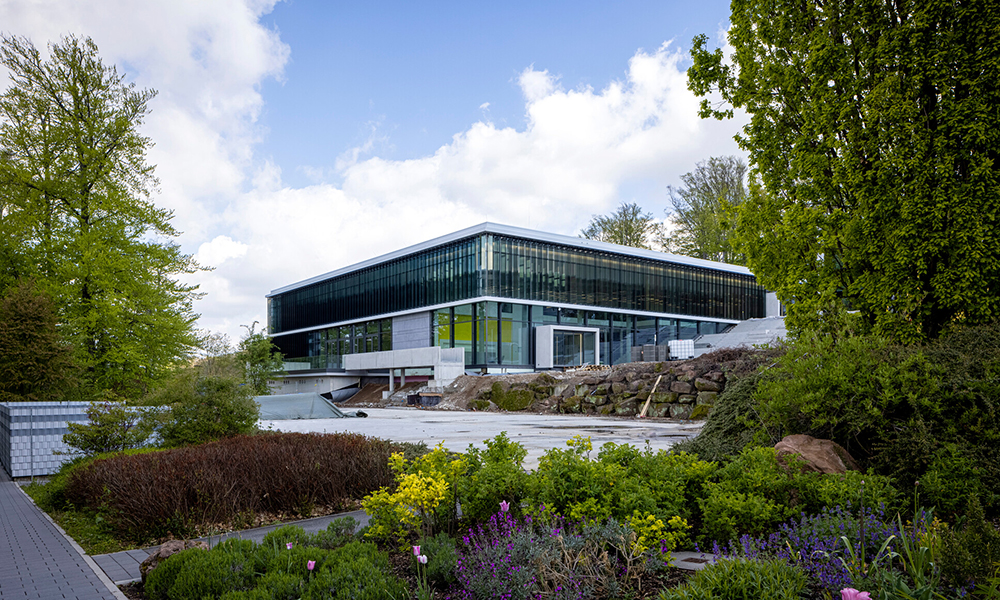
column 166, row 550
column 707, row 385
column 707, row 398
column 680, row 411
column 686, row 399
column 618, row 387
column 681, row 387
column 823, row 456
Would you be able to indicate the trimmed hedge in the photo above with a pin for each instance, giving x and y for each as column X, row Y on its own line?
column 226, row 482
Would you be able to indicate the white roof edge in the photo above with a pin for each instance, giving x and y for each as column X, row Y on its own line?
column 541, row 236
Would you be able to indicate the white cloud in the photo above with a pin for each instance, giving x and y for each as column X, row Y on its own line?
column 219, row 250
column 575, row 153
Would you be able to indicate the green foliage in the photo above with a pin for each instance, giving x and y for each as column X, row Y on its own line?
column 878, row 167
column 75, row 194
column 441, row 559
column 260, row 360
column 839, row 388
column 160, row 580
column 203, row 409
column 725, row 579
column 423, row 486
column 970, row 553
column 494, row 475
column 35, row 364
column 337, row 533
column 755, row 493
column 357, row 571
column 113, row 427
column 621, row 481
column 702, row 210
column 627, row 226
column 729, row 427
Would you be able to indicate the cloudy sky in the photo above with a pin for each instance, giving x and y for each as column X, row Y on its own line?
column 298, row 137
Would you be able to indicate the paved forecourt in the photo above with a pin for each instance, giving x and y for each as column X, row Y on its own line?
column 37, row 560
column 458, row 429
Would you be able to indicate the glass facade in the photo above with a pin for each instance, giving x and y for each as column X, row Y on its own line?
column 522, row 269
column 532, row 274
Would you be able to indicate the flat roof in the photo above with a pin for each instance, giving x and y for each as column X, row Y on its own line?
column 519, row 232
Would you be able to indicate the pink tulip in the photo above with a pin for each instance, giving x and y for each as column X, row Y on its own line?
column 504, row 506
column 311, row 565
column 416, row 551
column 288, row 545
column 853, row 594
column 422, row 559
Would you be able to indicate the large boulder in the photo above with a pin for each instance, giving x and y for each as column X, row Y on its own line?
column 166, row 550
column 823, row 456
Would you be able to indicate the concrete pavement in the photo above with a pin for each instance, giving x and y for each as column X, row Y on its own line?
column 458, row 429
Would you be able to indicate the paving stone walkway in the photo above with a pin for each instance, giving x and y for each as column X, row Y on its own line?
column 123, row 567
column 37, row 560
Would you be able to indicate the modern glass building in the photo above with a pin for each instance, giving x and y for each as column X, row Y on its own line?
column 489, row 288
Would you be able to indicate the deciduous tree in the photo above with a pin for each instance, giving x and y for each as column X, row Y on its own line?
column 627, row 226
column 35, row 363
column 875, row 135
column 76, row 213
column 259, row 359
column 703, row 210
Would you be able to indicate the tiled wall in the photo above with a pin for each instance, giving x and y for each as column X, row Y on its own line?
column 31, row 435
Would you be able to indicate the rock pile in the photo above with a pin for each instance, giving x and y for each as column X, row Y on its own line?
column 686, row 390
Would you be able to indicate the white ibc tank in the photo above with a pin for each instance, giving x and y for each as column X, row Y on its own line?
column 681, row 349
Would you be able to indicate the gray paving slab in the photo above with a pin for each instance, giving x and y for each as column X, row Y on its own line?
column 38, row 560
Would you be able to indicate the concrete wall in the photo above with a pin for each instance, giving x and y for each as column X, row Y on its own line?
column 31, row 435
column 411, row 331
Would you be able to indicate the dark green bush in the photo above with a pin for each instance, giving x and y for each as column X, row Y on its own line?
column 732, row 579
column 494, row 475
column 970, row 553
column 160, row 580
column 355, row 571
column 441, row 559
column 728, row 428
column 203, row 409
column 232, row 567
column 754, row 493
column 337, row 533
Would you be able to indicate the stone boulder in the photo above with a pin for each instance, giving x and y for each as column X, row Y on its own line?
column 823, row 456
column 166, row 550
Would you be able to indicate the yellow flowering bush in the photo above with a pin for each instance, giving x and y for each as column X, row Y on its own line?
column 651, row 531
column 421, row 487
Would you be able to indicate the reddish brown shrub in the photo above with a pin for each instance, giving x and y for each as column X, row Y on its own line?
column 179, row 491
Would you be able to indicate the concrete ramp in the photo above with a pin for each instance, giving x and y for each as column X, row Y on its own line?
column 753, row 332
column 310, row 405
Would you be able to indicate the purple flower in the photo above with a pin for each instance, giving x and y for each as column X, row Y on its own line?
column 416, row 551
column 289, row 545
column 504, row 506
column 853, row 594
column 422, row 559
column 311, row 564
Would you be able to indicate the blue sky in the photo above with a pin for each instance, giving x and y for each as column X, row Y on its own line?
column 411, row 75
column 294, row 138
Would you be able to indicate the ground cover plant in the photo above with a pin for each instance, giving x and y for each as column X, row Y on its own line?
column 228, row 483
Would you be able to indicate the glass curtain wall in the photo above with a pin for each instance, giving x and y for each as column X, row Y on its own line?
column 505, row 267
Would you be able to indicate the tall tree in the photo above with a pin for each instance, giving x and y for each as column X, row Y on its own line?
column 703, row 209
column 35, row 363
column 627, row 226
column 875, row 135
column 76, row 213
